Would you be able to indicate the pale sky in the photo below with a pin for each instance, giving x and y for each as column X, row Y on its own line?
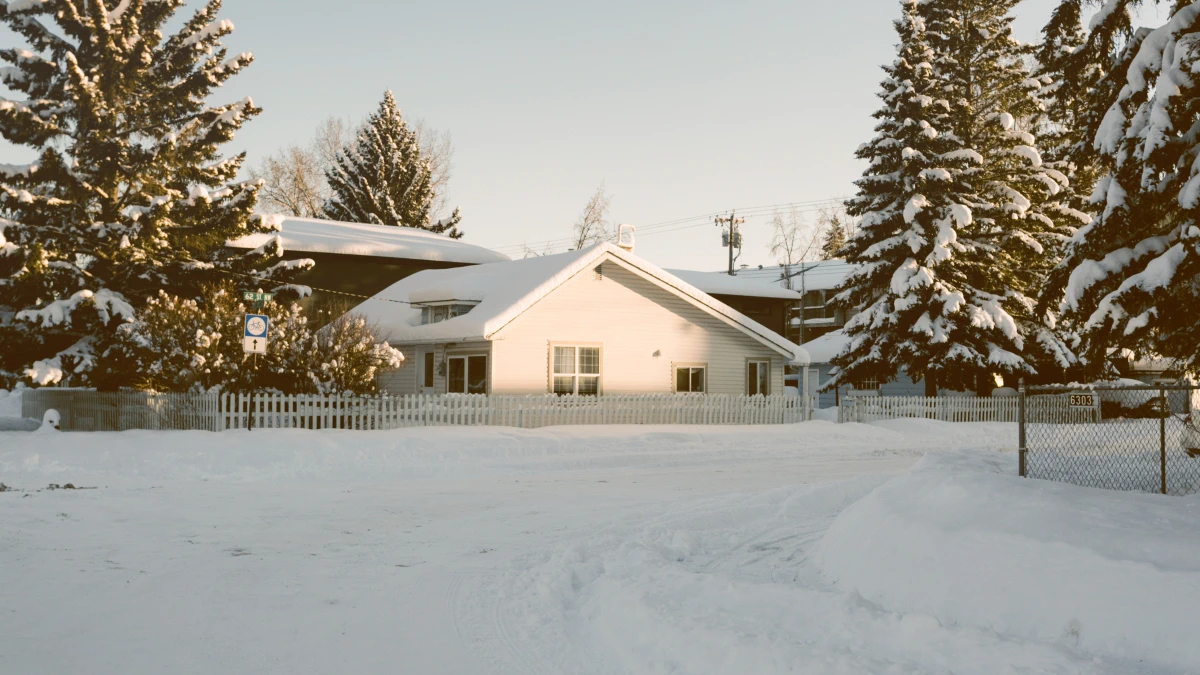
column 681, row 108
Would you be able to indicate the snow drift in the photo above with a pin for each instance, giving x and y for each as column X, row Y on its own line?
column 960, row 537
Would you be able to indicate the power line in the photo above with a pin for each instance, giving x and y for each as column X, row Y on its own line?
column 689, row 222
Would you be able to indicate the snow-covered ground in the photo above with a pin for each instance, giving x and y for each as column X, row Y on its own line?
column 582, row 550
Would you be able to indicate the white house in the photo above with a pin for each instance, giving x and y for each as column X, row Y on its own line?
column 598, row 320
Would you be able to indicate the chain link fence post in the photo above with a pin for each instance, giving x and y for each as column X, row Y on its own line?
column 1163, row 413
column 1021, row 428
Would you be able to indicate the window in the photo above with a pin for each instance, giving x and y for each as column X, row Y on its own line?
column 467, row 375
column 758, row 377
column 689, row 379
column 438, row 313
column 427, row 375
column 868, row 384
column 576, row 370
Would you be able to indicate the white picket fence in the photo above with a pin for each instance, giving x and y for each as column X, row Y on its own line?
column 279, row 411
column 946, row 409
column 1047, row 409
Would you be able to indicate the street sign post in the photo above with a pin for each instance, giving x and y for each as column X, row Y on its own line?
column 254, row 339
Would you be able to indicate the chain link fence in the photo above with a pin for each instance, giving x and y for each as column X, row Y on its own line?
column 1118, row 438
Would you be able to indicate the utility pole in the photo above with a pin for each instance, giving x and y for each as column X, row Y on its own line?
column 734, row 236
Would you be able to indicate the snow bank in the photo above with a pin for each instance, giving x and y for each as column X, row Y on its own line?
column 961, row 538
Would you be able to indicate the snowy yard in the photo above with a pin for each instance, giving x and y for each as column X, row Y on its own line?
column 814, row 548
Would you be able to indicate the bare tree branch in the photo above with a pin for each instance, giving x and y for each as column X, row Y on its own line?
column 792, row 240
column 293, row 182
column 592, row 225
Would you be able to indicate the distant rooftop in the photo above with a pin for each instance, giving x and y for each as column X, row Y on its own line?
column 814, row 275
column 313, row 235
column 720, row 283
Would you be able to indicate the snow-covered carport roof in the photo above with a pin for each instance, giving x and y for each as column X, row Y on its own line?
column 500, row 292
column 313, row 235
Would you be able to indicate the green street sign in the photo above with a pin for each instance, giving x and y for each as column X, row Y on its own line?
column 251, row 296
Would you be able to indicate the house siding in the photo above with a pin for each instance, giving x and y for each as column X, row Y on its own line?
column 632, row 319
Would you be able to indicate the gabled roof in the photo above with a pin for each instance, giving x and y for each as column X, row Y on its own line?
column 742, row 284
column 313, row 235
column 505, row 290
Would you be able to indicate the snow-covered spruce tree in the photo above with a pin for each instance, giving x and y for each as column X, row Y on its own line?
column 1131, row 276
column 834, row 237
column 128, row 193
column 1067, row 81
column 384, row 178
column 179, row 344
column 917, row 290
column 1022, row 215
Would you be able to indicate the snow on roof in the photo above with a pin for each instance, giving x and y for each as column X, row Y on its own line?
column 720, row 283
column 824, row 348
column 504, row 290
column 313, row 235
column 815, row 275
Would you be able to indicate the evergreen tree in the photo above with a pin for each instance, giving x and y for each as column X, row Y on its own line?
column 834, row 238
column 384, row 178
column 1023, row 215
column 1129, row 277
column 128, row 193
column 1065, row 87
column 918, row 286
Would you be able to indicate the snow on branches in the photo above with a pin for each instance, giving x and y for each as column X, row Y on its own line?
column 959, row 221
column 1127, row 275
column 385, row 178
column 129, row 193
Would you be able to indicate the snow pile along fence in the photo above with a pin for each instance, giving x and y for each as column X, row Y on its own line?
column 1143, row 438
column 92, row 411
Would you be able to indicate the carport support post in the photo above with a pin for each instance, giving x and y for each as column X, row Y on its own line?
column 1163, row 411
column 1021, row 428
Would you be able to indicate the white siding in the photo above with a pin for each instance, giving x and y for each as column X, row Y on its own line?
column 643, row 330
column 403, row 381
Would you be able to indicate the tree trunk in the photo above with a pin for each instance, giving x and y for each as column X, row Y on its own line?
column 930, row 384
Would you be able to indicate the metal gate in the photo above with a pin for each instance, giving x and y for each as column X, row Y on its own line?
column 1143, row 438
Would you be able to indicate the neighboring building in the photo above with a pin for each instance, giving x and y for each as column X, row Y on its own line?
column 599, row 320
column 364, row 259
column 767, row 303
column 1150, row 369
column 815, row 282
column 822, row 350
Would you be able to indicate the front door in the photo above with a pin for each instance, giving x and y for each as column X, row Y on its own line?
column 426, row 366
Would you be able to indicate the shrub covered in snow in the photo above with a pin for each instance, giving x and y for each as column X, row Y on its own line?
column 180, row 344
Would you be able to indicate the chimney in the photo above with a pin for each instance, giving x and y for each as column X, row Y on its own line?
column 625, row 237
